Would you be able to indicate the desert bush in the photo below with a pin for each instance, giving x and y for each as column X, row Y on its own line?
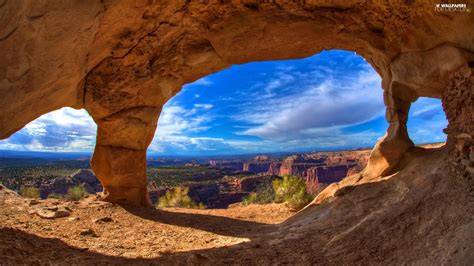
column 292, row 191
column 249, row 199
column 178, row 197
column 264, row 194
column 30, row 192
column 287, row 186
column 76, row 193
column 55, row 196
column 299, row 200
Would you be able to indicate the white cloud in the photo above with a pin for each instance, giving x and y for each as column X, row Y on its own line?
column 203, row 106
column 206, row 81
column 65, row 129
column 175, row 125
column 315, row 109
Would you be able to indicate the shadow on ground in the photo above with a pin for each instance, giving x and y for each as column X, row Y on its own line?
column 210, row 223
column 19, row 247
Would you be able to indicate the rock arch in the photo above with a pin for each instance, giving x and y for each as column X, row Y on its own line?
column 122, row 60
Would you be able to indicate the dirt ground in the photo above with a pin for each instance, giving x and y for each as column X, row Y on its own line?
column 129, row 233
column 422, row 214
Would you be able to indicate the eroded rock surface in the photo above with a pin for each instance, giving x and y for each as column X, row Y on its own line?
column 122, row 60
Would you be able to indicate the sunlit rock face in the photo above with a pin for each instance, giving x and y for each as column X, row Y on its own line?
column 123, row 60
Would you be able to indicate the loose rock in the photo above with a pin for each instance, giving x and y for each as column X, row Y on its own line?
column 105, row 219
column 88, row 232
column 54, row 212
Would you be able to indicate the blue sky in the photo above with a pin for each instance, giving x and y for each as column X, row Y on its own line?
column 331, row 100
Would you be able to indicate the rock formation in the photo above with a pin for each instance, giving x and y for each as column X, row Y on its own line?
column 321, row 167
column 60, row 185
column 256, row 167
column 122, row 60
column 235, row 165
column 259, row 165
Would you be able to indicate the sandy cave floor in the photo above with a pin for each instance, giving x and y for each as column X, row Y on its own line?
column 132, row 233
column 422, row 214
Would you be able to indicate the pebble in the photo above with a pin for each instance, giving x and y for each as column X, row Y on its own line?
column 88, row 232
column 33, row 202
column 105, row 219
column 47, row 228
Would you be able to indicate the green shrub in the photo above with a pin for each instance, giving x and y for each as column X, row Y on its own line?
column 249, row 199
column 299, row 200
column 264, row 194
column 30, row 192
column 178, row 197
column 292, row 191
column 76, row 193
column 287, row 186
column 55, row 196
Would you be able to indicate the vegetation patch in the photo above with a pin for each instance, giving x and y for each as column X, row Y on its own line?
column 76, row 193
column 178, row 197
column 263, row 195
column 30, row 192
column 290, row 190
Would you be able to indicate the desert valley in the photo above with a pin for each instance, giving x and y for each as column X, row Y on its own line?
column 216, row 183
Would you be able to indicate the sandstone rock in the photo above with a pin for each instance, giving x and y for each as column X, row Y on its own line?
column 257, row 166
column 274, row 168
column 251, row 183
column 105, row 219
column 53, row 212
column 261, row 158
column 88, row 232
column 88, row 179
column 73, row 219
column 33, row 202
column 61, row 185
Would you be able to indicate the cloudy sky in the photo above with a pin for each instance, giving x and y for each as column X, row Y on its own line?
column 327, row 101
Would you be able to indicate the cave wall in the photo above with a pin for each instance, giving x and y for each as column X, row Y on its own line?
column 122, row 60
column 458, row 104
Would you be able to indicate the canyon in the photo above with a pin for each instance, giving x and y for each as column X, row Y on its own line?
column 123, row 60
column 216, row 183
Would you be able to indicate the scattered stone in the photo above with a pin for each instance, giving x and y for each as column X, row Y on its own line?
column 47, row 228
column 56, row 202
column 72, row 219
column 105, row 219
column 53, row 212
column 33, row 202
column 88, row 232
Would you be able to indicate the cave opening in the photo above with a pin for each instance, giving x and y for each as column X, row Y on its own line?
column 426, row 121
